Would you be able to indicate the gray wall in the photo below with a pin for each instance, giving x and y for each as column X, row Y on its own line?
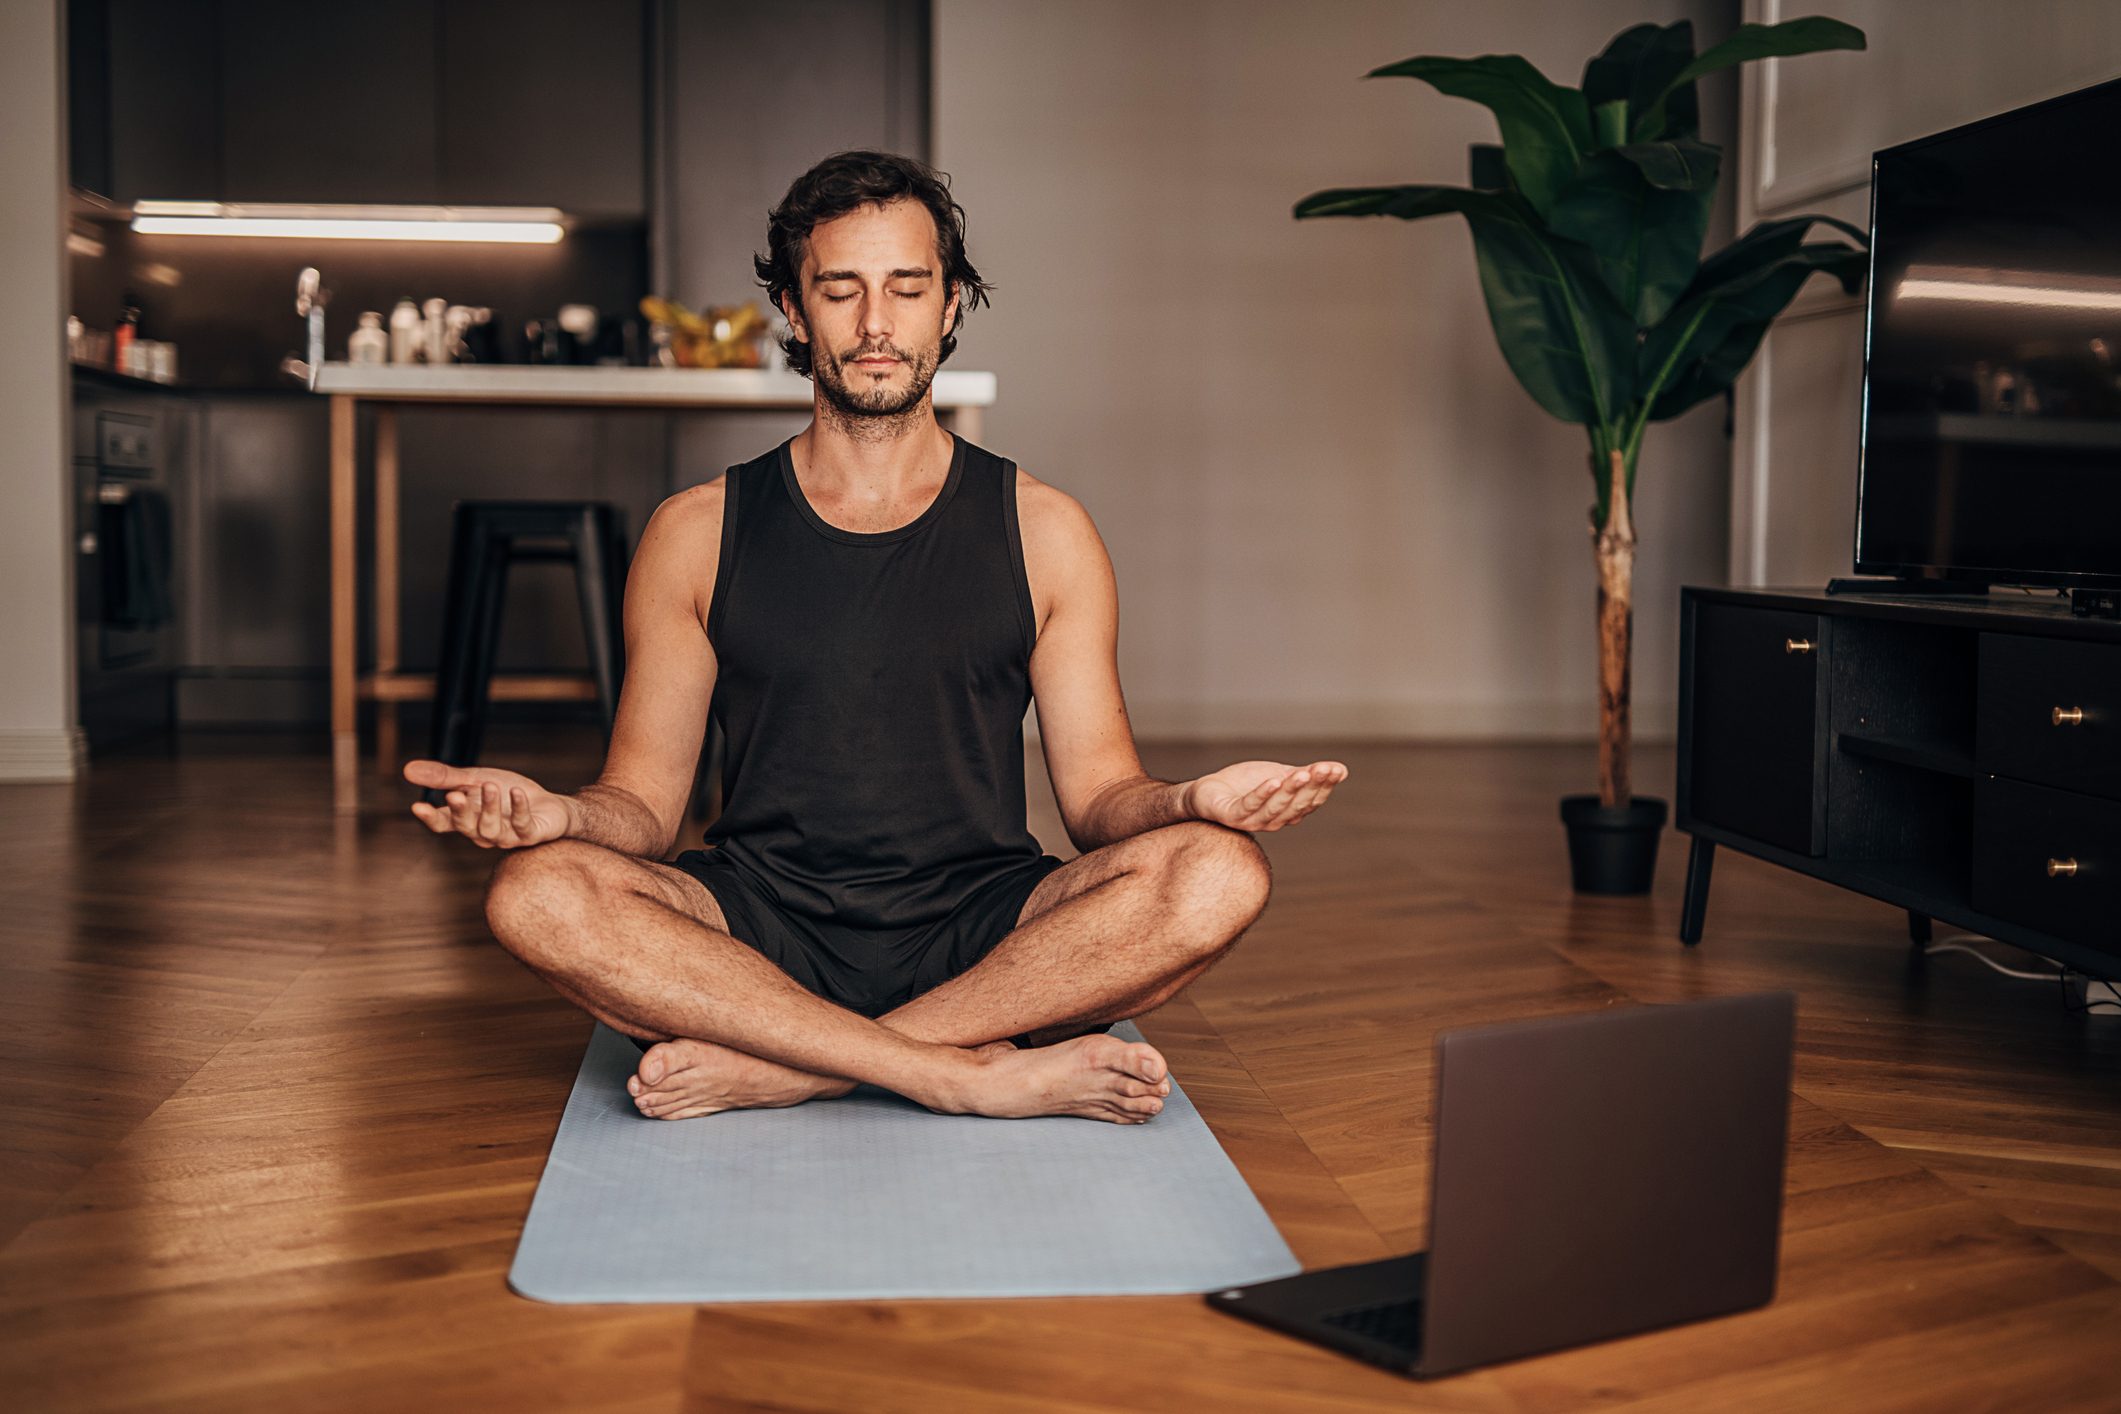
column 1331, row 508
column 752, row 95
column 38, row 736
column 1811, row 124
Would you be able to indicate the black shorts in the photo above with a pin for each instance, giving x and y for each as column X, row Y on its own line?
column 861, row 969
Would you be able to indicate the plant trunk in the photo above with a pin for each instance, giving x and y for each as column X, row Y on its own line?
column 1615, row 547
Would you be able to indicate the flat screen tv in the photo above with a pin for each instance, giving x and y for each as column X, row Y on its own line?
column 1991, row 446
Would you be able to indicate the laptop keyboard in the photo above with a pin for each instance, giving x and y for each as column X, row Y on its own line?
column 1395, row 1323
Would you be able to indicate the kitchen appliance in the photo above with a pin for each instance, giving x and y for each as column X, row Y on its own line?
column 126, row 645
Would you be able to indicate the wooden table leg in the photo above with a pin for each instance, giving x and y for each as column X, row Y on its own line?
column 345, row 733
column 386, row 590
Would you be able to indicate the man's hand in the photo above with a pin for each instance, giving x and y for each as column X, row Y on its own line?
column 492, row 808
column 1263, row 795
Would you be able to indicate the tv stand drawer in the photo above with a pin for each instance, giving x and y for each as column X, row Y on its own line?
column 2049, row 710
column 2049, row 859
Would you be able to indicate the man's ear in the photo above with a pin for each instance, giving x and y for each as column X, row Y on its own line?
column 950, row 308
column 794, row 314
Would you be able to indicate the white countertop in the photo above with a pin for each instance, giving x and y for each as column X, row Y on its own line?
column 655, row 387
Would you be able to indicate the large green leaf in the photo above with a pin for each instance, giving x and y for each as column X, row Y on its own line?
column 1408, row 203
column 1639, row 65
column 1546, row 128
column 1563, row 334
column 1645, row 232
column 1704, row 344
column 1485, row 168
column 1766, row 242
column 1677, row 164
column 1807, row 34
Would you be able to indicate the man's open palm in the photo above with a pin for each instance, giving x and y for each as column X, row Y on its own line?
column 1265, row 795
column 495, row 809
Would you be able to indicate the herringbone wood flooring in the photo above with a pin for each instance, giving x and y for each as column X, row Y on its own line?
column 273, row 1107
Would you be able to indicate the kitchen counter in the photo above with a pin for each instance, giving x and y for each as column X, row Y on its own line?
column 959, row 398
column 609, row 386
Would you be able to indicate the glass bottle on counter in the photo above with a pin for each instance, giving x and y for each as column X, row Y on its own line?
column 406, row 332
column 368, row 344
column 434, row 332
column 121, row 343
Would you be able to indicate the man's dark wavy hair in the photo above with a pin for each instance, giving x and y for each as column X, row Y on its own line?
column 847, row 181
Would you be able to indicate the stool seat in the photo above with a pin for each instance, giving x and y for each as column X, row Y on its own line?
column 485, row 538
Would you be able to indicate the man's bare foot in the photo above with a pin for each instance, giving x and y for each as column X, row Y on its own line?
column 686, row 1077
column 1096, row 1077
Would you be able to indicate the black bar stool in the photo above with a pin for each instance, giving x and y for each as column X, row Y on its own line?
column 486, row 537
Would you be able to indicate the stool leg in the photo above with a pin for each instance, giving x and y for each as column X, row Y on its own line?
column 615, row 566
column 470, row 550
column 485, row 646
column 592, row 577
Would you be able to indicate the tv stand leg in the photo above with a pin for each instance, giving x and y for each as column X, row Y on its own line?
column 1918, row 928
column 1699, row 860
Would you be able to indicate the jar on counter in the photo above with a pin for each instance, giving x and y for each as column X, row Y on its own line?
column 405, row 332
column 368, row 344
column 435, row 331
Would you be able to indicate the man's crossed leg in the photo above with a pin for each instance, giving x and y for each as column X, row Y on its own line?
column 1109, row 935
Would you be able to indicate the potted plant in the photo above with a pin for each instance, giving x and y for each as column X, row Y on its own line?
column 1587, row 222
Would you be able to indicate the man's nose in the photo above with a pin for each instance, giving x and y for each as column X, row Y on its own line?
column 876, row 317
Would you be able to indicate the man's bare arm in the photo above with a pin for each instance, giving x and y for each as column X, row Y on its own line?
column 637, row 803
column 1098, row 781
column 618, row 819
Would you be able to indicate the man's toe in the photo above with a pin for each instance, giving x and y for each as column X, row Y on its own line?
column 1143, row 1060
column 664, row 1059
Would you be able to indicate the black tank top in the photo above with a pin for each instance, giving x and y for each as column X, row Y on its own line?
column 871, row 692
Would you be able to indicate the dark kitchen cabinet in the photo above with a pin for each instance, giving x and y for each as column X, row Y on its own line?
column 328, row 103
column 544, row 103
column 467, row 102
column 143, row 98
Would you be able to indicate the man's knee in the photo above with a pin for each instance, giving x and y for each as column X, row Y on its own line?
column 540, row 895
column 1222, row 877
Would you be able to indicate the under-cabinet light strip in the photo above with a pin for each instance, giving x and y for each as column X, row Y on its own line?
column 311, row 228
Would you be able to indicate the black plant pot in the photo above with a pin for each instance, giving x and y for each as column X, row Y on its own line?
column 1612, row 850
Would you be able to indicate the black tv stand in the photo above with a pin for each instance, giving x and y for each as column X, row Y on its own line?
column 1958, row 758
column 2095, row 603
column 1903, row 588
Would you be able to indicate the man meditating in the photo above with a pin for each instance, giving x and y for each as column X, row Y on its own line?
column 869, row 608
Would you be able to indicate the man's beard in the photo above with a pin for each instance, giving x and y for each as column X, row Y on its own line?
column 866, row 399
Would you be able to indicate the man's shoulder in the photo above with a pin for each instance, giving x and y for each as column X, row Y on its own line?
column 686, row 527
column 1064, row 556
column 695, row 508
column 1056, row 519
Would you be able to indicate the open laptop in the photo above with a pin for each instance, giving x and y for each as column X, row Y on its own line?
column 1594, row 1175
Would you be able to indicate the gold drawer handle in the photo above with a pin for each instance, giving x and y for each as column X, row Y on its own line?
column 2061, row 868
column 2067, row 716
column 1797, row 645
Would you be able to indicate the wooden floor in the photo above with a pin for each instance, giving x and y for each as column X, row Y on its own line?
column 272, row 1107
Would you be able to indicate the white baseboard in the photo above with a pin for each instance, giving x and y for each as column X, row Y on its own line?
column 51, row 754
column 1538, row 720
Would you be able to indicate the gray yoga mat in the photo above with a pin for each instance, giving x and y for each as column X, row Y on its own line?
column 870, row 1195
